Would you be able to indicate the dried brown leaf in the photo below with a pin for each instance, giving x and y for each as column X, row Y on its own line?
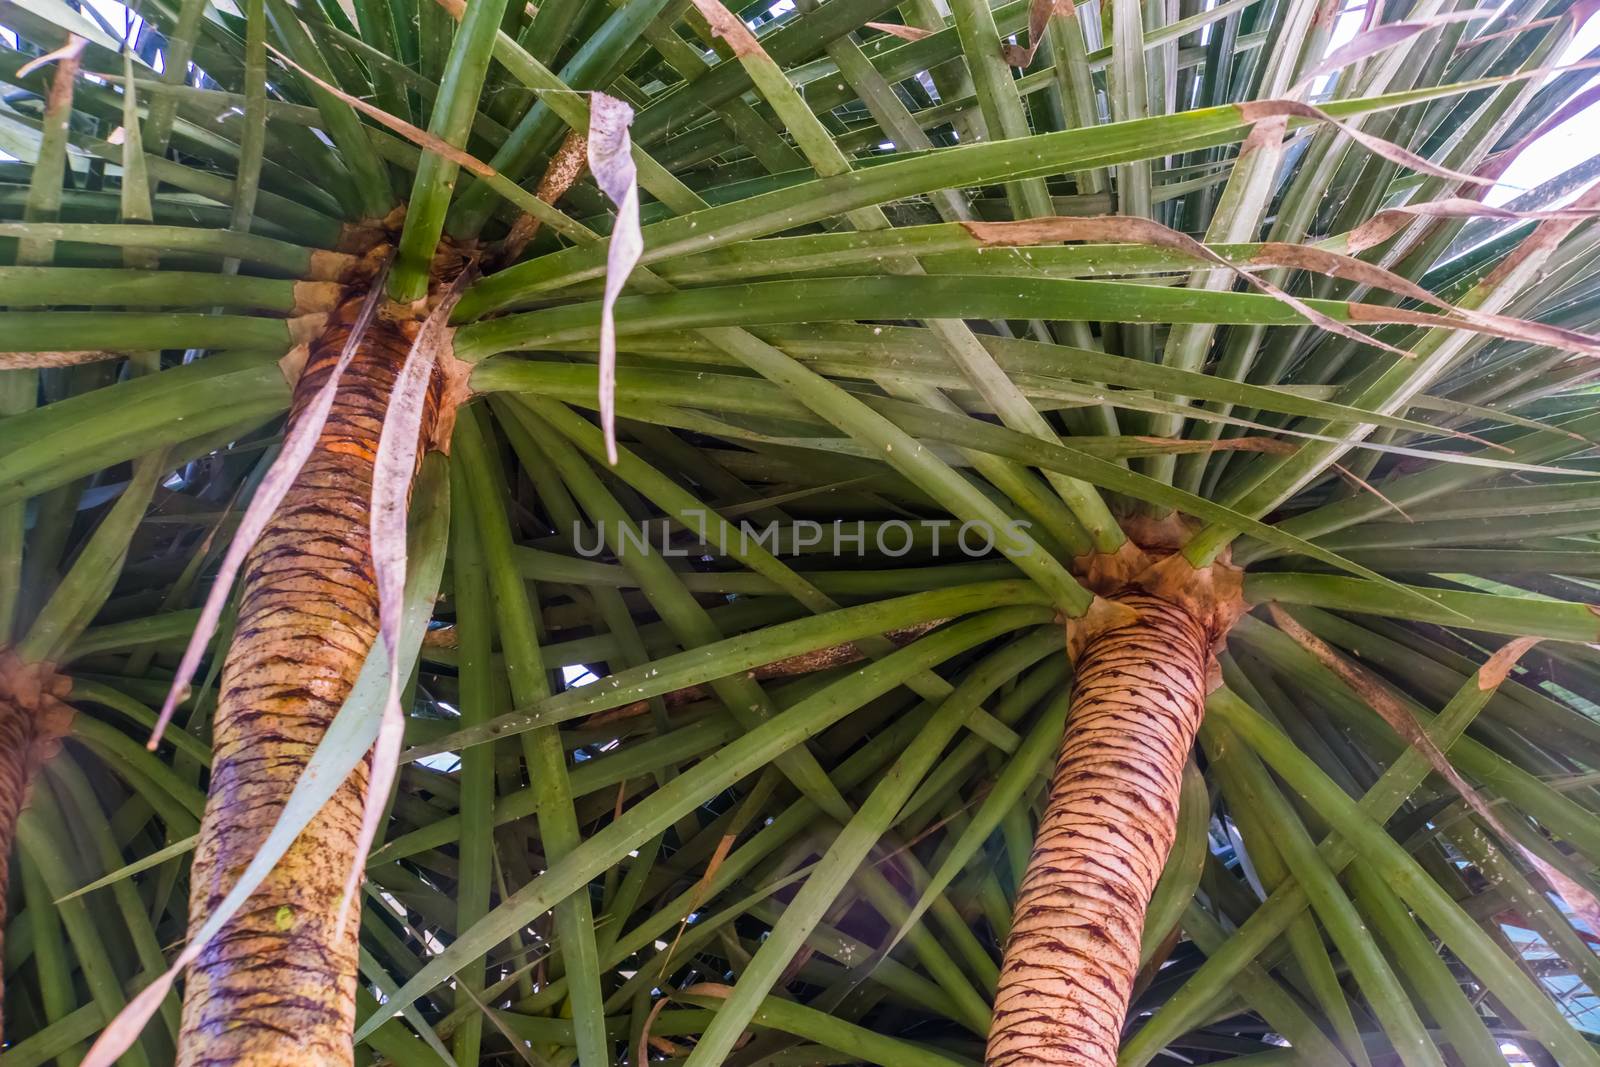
column 894, row 29
column 1494, row 673
column 1361, row 483
column 730, row 28
column 1480, row 322
column 415, row 134
column 1387, row 223
column 1126, row 228
column 1253, row 111
column 1337, row 265
column 69, row 51
column 1120, row 228
column 1400, row 720
column 702, row 889
column 1574, row 106
column 1040, row 12
column 1369, row 42
column 1544, row 238
column 707, row 989
column 641, row 1054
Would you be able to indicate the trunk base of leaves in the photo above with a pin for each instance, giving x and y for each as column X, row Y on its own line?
column 1144, row 660
column 278, row 984
column 33, row 719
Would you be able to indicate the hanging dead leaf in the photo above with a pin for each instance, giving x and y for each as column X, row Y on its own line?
column 611, row 162
column 393, row 469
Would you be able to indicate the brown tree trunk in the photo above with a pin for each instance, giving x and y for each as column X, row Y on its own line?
column 1073, row 952
column 276, row 987
column 16, row 774
column 33, row 718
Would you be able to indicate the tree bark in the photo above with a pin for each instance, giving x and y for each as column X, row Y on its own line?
column 276, row 986
column 33, row 718
column 1073, row 953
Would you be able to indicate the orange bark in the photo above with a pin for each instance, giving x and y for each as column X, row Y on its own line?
column 1109, row 823
column 276, row 986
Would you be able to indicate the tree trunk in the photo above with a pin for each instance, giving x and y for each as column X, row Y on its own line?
column 1073, row 952
column 276, row 986
column 33, row 718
